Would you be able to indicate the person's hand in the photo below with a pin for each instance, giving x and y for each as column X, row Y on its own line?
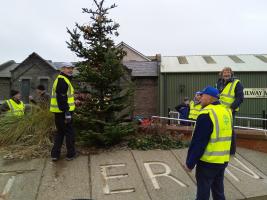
column 77, row 102
column 30, row 97
column 186, row 168
column 67, row 117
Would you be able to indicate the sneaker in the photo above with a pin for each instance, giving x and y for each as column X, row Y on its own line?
column 72, row 157
column 54, row 159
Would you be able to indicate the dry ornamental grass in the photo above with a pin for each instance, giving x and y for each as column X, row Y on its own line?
column 27, row 136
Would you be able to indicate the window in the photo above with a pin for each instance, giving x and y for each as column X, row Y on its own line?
column 209, row 59
column 236, row 59
column 182, row 60
column 262, row 58
column 44, row 82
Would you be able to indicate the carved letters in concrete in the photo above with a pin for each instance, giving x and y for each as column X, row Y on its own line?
column 106, row 177
column 167, row 174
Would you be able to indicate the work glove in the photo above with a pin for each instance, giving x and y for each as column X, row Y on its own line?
column 67, row 117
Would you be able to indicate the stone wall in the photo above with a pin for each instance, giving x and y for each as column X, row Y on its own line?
column 4, row 88
column 33, row 69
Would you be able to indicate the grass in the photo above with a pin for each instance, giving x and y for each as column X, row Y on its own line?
column 27, row 136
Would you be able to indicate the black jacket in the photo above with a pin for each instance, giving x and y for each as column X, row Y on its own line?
column 61, row 93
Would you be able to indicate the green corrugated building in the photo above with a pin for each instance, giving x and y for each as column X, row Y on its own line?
column 182, row 76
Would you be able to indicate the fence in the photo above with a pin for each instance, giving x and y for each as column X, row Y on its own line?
column 240, row 121
column 192, row 121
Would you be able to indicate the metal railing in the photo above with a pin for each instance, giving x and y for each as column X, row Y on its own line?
column 249, row 119
column 176, row 115
column 175, row 119
column 170, row 119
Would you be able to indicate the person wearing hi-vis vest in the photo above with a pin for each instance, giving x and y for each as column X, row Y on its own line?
column 195, row 106
column 62, row 105
column 13, row 106
column 231, row 96
column 209, row 150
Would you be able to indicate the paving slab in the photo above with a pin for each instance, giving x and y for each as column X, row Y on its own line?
column 246, row 177
column 115, row 176
column 258, row 198
column 28, row 165
column 65, row 180
column 231, row 192
column 20, row 180
column 131, row 175
column 257, row 159
column 164, row 175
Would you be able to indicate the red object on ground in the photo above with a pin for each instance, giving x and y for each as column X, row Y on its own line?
column 146, row 122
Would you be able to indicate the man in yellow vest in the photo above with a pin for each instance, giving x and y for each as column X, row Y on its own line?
column 13, row 106
column 231, row 95
column 195, row 106
column 62, row 105
column 210, row 146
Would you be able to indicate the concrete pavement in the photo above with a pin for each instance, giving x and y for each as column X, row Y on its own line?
column 126, row 175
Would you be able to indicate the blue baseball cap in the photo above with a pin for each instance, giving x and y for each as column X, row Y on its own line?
column 210, row 91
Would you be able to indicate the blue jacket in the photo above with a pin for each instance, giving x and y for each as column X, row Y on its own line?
column 200, row 140
column 239, row 94
column 183, row 109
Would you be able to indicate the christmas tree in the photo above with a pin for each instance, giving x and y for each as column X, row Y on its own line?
column 101, row 118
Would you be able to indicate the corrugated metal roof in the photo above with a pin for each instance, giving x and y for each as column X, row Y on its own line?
column 142, row 68
column 198, row 64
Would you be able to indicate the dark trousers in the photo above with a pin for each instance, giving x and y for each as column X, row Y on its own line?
column 63, row 129
column 233, row 142
column 210, row 178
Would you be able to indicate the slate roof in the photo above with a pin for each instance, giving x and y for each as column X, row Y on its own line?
column 6, row 67
column 142, row 69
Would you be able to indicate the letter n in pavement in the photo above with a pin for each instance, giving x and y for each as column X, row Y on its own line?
column 247, row 170
column 106, row 177
column 167, row 174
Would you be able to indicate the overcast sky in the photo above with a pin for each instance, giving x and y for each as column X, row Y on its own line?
column 169, row 27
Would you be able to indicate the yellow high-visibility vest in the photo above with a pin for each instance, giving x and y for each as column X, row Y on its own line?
column 194, row 110
column 15, row 109
column 218, row 148
column 227, row 96
column 70, row 94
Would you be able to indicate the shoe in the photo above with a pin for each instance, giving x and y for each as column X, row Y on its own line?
column 54, row 159
column 72, row 157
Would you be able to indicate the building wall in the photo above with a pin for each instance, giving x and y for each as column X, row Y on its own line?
column 36, row 71
column 175, row 86
column 132, row 56
column 145, row 97
column 4, row 88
